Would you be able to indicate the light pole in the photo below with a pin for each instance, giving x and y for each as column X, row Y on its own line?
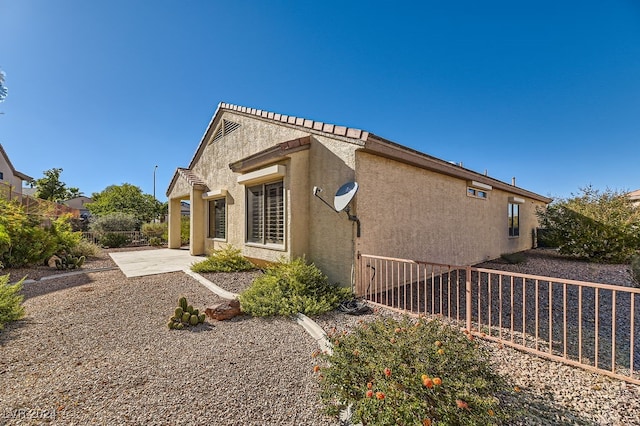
column 155, row 213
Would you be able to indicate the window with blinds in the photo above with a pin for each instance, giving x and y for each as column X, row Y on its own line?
column 218, row 218
column 265, row 213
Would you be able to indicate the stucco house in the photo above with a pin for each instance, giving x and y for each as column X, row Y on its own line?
column 634, row 196
column 255, row 178
column 10, row 179
column 80, row 203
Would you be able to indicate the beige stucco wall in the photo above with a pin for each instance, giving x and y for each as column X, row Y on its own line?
column 412, row 213
column 8, row 178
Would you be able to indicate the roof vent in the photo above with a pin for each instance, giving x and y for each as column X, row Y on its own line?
column 226, row 128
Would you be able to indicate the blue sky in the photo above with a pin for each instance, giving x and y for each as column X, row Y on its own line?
column 546, row 91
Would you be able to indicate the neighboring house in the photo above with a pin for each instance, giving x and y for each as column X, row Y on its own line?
column 80, row 204
column 10, row 179
column 185, row 209
column 634, row 196
column 252, row 180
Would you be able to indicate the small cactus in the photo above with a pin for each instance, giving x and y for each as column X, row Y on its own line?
column 201, row 318
column 183, row 303
column 179, row 326
column 193, row 320
column 185, row 317
column 195, row 312
column 178, row 312
column 190, row 309
column 171, row 325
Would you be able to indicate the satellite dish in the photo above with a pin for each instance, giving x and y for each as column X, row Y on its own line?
column 344, row 195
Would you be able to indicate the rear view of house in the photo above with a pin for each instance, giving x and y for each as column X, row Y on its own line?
column 261, row 181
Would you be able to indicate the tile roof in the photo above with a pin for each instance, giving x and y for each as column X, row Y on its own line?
column 320, row 126
column 192, row 179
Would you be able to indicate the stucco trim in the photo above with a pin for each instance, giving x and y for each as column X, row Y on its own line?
column 270, row 155
column 480, row 185
column 216, row 193
column 378, row 146
column 261, row 175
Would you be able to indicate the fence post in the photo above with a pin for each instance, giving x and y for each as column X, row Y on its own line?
column 468, row 297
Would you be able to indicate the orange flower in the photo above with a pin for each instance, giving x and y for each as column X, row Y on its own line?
column 369, row 385
column 392, row 340
column 440, row 351
column 316, row 368
column 438, row 343
column 380, row 395
column 387, row 372
column 369, row 393
column 437, row 381
column 426, row 422
column 428, row 382
column 462, row 404
column 424, row 377
column 517, row 388
column 491, row 413
column 398, row 330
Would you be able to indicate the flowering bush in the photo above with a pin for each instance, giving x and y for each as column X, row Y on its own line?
column 411, row 373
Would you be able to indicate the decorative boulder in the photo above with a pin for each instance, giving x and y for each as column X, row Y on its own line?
column 224, row 310
column 52, row 261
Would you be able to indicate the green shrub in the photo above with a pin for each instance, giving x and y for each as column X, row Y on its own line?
column 228, row 259
column 86, row 248
column 151, row 230
column 513, row 258
column 597, row 226
column 185, row 230
column 411, row 373
column 11, row 308
column 65, row 238
column 635, row 269
column 114, row 240
column 114, row 222
column 155, row 241
column 288, row 288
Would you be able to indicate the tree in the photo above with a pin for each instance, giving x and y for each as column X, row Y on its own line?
column 3, row 88
column 125, row 198
column 594, row 225
column 51, row 188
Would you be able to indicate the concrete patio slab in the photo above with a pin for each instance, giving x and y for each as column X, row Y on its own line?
column 151, row 262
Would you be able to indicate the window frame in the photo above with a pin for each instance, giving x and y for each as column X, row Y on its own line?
column 513, row 220
column 475, row 193
column 212, row 218
column 263, row 240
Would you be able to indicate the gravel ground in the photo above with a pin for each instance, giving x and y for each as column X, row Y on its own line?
column 94, row 349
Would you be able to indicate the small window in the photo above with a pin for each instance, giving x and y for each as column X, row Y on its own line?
column 477, row 193
column 218, row 218
column 1, row 176
column 265, row 213
column 514, row 220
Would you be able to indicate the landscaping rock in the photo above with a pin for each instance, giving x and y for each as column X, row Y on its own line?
column 224, row 310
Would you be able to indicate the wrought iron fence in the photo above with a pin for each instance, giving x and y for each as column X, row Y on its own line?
column 132, row 238
column 589, row 325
